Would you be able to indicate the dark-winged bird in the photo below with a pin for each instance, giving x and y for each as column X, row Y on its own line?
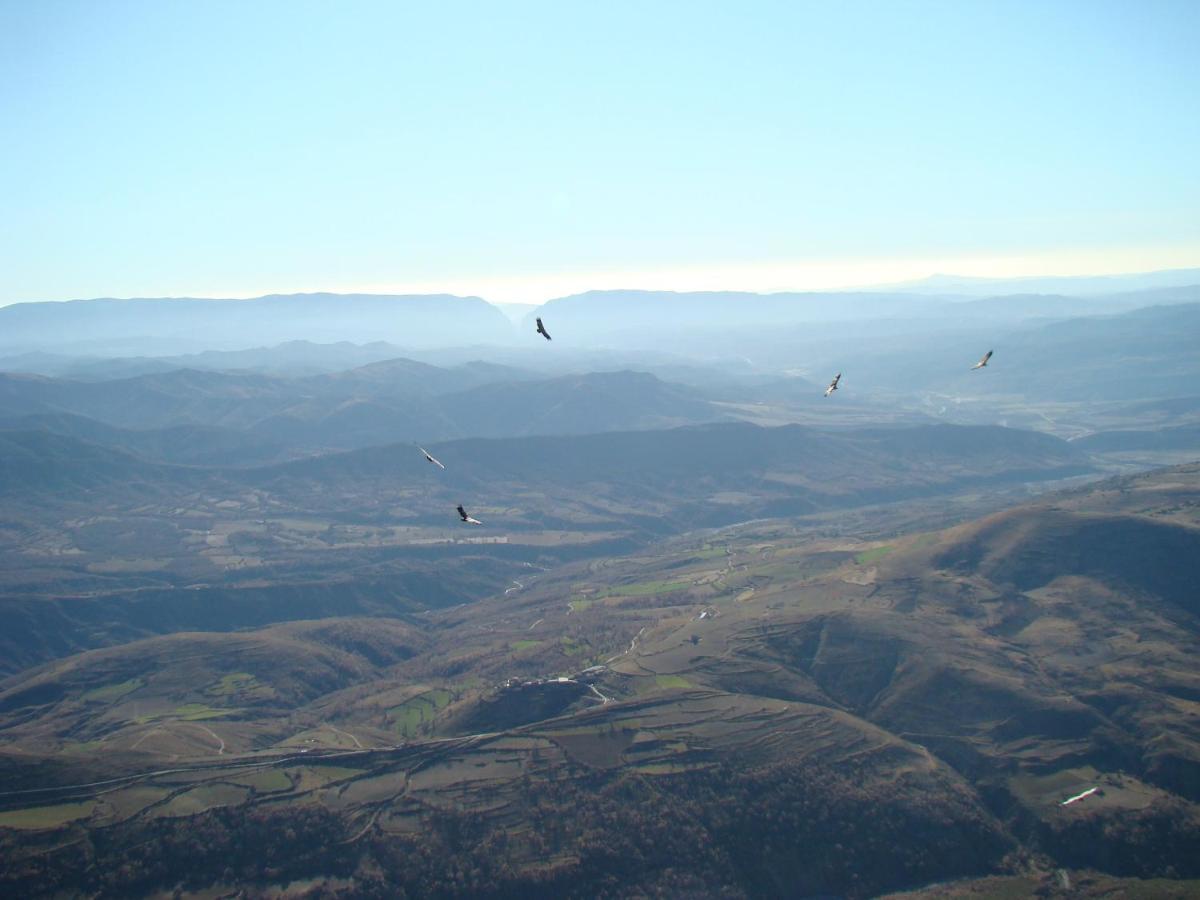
column 468, row 519
column 982, row 362
column 541, row 329
column 430, row 458
column 833, row 384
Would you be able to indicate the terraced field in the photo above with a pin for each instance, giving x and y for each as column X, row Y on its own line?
column 898, row 694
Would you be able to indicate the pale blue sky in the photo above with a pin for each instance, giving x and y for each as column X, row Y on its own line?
column 519, row 150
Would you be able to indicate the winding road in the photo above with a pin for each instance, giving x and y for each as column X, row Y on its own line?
column 632, row 644
column 337, row 730
column 216, row 737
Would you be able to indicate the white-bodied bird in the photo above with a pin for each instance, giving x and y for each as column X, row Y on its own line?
column 541, row 329
column 430, row 458
column 1079, row 797
column 983, row 362
column 833, row 384
column 468, row 519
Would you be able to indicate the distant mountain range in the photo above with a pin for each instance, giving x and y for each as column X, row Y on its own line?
column 255, row 406
column 768, row 329
column 292, row 358
column 1144, row 353
column 1074, row 285
column 232, row 418
column 694, row 321
column 168, row 326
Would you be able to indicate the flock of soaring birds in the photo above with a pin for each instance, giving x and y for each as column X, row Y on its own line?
column 541, row 329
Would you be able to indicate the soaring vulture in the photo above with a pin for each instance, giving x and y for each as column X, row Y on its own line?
column 430, row 458
column 983, row 362
column 541, row 329
column 1079, row 797
column 833, row 384
column 468, row 519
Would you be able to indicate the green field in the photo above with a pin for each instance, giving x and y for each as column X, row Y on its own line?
column 189, row 712
column 411, row 715
column 111, row 692
column 194, row 712
column 671, row 681
column 199, row 799
column 873, row 555
column 45, row 816
column 265, row 782
column 328, row 774
column 232, row 683
column 524, row 645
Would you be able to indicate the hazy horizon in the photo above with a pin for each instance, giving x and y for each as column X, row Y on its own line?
column 948, row 280
column 539, row 151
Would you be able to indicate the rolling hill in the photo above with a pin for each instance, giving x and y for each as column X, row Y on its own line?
column 1178, row 437
column 200, row 445
column 373, row 531
column 1142, row 354
column 51, row 464
column 380, row 403
column 795, row 710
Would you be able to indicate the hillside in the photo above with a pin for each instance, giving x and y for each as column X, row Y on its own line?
column 200, row 445
column 1141, row 354
column 381, row 403
column 647, row 484
column 374, row 532
column 576, row 404
column 1179, row 437
column 53, row 465
column 1071, row 367
column 922, row 701
column 291, row 358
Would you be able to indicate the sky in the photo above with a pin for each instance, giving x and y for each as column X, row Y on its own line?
column 520, row 151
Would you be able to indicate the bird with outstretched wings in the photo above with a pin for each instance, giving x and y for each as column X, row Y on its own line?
column 430, row 458
column 983, row 362
column 833, row 384
column 541, row 329
column 468, row 519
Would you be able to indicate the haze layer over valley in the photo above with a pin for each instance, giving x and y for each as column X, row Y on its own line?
column 816, row 642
